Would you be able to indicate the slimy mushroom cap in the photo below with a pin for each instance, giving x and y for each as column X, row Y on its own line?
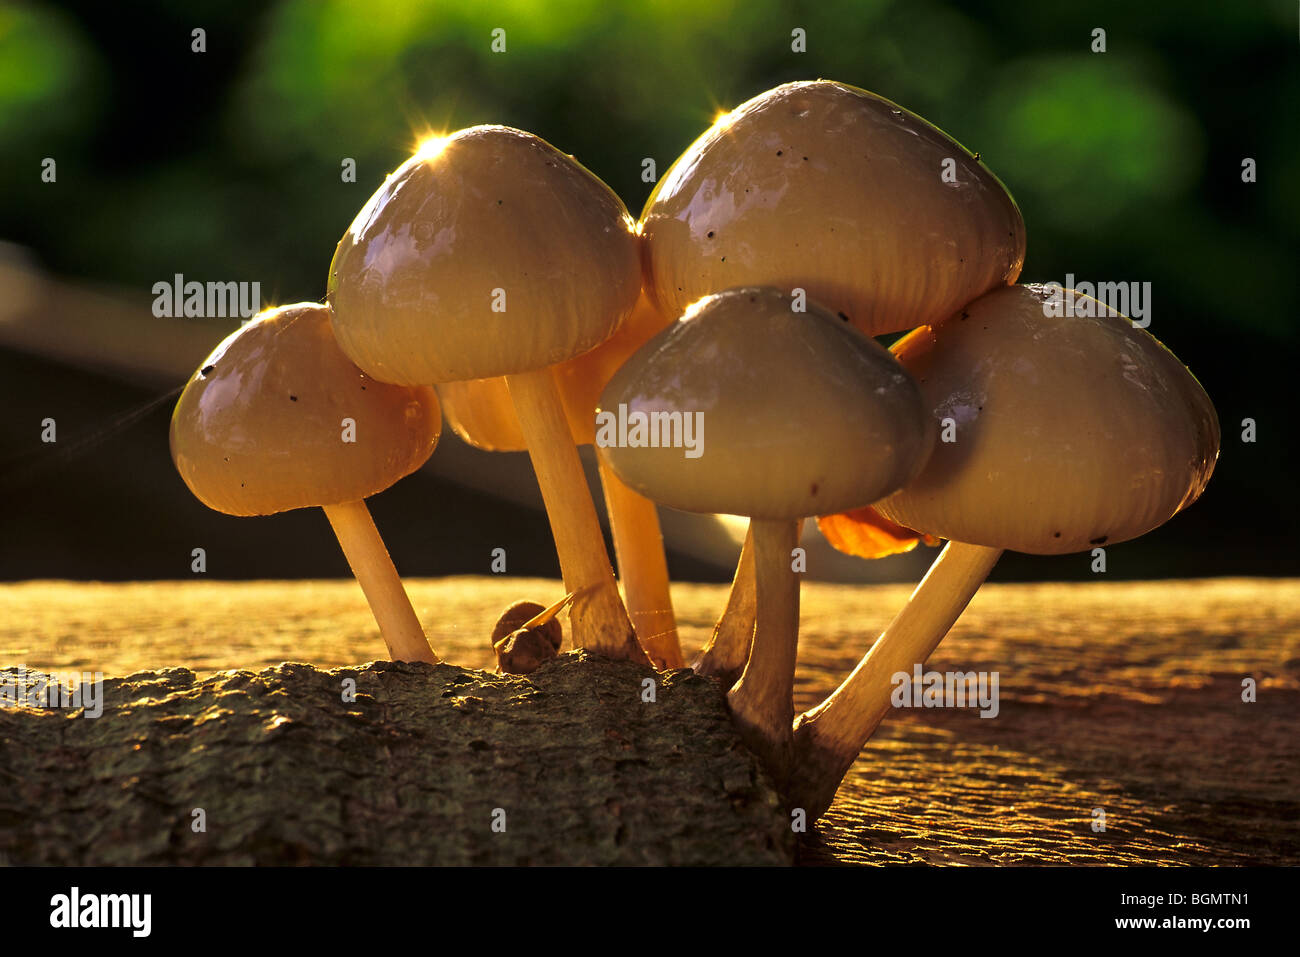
column 801, row 414
column 495, row 254
column 1069, row 432
column 259, row 427
column 879, row 215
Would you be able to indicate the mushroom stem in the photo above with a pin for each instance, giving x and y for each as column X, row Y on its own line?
column 643, row 569
column 597, row 617
column 371, row 564
column 829, row 737
column 762, row 701
column 728, row 650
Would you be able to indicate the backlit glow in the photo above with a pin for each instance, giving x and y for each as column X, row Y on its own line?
column 431, row 145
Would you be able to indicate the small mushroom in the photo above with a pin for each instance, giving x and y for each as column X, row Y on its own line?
column 1069, row 432
column 522, row 652
column 494, row 254
column 260, row 429
column 480, row 412
column 519, row 615
column 527, row 635
column 880, row 216
column 801, row 415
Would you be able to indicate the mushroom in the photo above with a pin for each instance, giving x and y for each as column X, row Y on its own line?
column 1071, row 433
column 520, row 614
column 821, row 186
column 875, row 213
column 799, row 415
column 491, row 253
column 528, row 635
column 263, row 427
column 481, row 413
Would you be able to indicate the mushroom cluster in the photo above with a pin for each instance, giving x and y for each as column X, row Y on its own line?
column 497, row 270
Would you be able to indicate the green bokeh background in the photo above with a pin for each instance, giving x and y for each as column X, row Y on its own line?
column 1126, row 164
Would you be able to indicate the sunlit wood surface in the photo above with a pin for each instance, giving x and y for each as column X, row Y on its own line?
column 1120, row 696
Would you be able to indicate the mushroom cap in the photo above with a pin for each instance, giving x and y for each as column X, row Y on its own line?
column 259, row 428
column 416, row 283
column 1071, row 432
column 826, row 187
column 801, row 414
column 481, row 412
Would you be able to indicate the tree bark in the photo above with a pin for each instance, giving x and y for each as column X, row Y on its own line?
column 429, row 764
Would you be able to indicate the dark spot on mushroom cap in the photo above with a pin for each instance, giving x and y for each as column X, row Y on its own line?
column 812, row 489
column 778, row 152
column 710, row 234
column 805, row 159
column 1056, row 534
column 1099, row 540
column 498, row 202
column 965, row 315
column 724, row 259
column 293, row 398
column 206, row 369
column 842, row 316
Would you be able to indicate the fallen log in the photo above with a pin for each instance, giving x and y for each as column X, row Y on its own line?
column 581, row 762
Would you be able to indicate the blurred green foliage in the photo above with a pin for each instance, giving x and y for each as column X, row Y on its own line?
column 228, row 163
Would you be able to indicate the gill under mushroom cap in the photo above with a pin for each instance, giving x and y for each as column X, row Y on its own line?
column 491, row 255
column 800, row 413
column 259, row 428
column 1070, row 432
column 875, row 212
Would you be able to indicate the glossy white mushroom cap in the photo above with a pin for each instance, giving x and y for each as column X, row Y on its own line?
column 879, row 215
column 493, row 253
column 1069, row 432
column 260, row 428
column 795, row 413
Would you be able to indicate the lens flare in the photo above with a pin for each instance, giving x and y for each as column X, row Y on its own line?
column 431, row 145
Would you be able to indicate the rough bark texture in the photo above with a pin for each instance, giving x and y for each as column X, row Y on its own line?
column 1124, row 696
column 411, row 772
